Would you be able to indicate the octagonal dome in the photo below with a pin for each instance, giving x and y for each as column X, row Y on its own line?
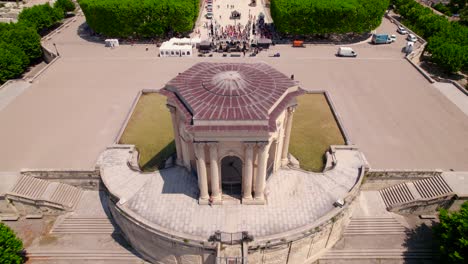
column 231, row 92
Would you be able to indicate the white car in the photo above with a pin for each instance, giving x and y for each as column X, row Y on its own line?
column 412, row 38
column 402, row 30
column 209, row 6
column 209, row 15
column 393, row 38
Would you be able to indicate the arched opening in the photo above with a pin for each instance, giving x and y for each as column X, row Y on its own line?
column 231, row 176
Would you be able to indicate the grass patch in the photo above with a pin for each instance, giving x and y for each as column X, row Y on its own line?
column 150, row 130
column 314, row 130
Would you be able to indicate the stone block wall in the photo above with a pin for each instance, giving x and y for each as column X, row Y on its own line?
column 84, row 179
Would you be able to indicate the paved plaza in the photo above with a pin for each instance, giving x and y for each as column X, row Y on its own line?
column 75, row 109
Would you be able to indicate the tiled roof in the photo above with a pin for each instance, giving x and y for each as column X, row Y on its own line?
column 229, row 91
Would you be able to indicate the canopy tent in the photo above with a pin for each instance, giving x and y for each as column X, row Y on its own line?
column 169, row 49
column 112, row 43
column 195, row 41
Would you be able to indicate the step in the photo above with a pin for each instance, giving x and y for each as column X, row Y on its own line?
column 378, row 254
column 81, row 254
column 83, row 225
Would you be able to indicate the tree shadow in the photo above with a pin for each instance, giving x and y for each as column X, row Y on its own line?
column 86, row 33
column 117, row 234
column 420, row 246
column 158, row 161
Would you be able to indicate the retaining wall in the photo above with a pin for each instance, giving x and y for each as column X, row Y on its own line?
column 379, row 179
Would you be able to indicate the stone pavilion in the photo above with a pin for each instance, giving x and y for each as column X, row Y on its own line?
column 232, row 126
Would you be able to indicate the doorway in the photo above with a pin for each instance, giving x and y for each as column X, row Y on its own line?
column 231, row 175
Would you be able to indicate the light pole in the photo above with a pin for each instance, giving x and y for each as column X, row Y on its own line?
column 56, row 50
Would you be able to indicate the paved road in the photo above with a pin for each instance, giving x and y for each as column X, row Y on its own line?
column 75, row 109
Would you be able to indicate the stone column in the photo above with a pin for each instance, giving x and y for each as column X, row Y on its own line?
column 215, row 192
column 173, row 111
column 287, row 136
column 261, row 171
column 248, row 172
column 201, row 165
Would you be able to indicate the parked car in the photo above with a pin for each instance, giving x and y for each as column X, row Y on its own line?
column 346, row 52
column 393, row 38
column 209, row 9
column 412, row 38
column 409, row 47
column 381, row 39
column 209, row 15
column 402, row 30
column 209, row 6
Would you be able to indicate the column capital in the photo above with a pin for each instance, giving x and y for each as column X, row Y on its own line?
column 199, row 151
column 263, row 145
column 249, row 145
column 212, row 145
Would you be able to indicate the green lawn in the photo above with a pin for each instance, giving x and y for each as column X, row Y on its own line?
column 314, row 130
column 150, row 129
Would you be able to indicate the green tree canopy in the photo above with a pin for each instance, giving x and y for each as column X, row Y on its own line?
column 65, row 5
column 40, row 17
column 143, row 18
column 452, row 235
column 10, row 245
column 327, row 16
column 23, row 37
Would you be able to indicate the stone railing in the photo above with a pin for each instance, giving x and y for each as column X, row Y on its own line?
column 420, row 206
column 84, row 179
column 395, row 174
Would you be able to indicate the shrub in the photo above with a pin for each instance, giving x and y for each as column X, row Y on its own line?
column 144, row 18
column 23, row 37
column 13, row 61
column 327, row 16
column 452, row 235
column 40, row 17
column 65, row 5
column 10, row 246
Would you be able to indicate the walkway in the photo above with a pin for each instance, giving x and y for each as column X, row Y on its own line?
column 453, row 94
column 167, row 200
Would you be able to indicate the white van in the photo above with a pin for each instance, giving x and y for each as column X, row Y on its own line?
column 346, row 52
column 409, row 47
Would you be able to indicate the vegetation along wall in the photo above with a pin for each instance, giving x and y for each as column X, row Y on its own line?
column 327, row 16
column 140, row 18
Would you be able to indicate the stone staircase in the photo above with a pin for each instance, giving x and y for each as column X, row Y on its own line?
column 110, row 256
column 374, row 226
column 83, row 225
column 360, row 254
column 45, row 193
column 413, row 191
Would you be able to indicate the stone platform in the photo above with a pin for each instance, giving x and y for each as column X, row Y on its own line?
column 167, row 200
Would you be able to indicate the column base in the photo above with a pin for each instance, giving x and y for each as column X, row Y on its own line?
column 251, row 201
column 203, row 201
column 284, row 162
column 179, row 162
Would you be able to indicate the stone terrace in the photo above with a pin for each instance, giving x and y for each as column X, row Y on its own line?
column 167, row 200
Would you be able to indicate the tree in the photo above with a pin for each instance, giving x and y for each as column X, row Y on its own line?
column 13, row 61
column 25, row 38
column 452, row 235
column 144, row 18
column 10, row 246
column 65, row 5
column 40, row 17
column 304, row 17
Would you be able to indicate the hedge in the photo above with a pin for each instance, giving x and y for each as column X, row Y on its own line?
column 303, row 17
column 447, row 40
column 140, row 18
column 10, row 246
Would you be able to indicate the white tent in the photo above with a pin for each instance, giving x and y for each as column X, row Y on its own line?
column 112, row 43
column 169, row 49
column 195, row 41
